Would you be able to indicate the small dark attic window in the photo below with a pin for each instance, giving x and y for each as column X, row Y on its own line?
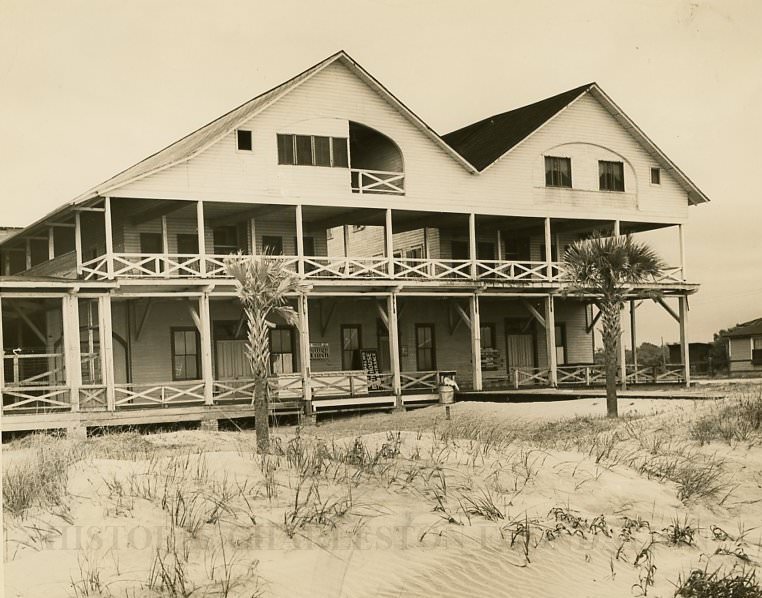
column 244, row 140
column 655, row 176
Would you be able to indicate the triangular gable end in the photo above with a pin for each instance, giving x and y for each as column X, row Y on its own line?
column 695, row 195
column 196, row 142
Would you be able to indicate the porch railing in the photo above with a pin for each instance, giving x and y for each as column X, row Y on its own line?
column 36, row 399
column 431, row 269
column 346, row 267
column 377, row 181
column 160, row 394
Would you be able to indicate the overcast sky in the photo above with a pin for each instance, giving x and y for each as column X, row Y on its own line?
column 90, row 87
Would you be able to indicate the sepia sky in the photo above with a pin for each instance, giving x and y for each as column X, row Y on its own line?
column 89, row 87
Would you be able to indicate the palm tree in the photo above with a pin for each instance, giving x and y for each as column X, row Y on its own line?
column 606, row 268
column 263, row 284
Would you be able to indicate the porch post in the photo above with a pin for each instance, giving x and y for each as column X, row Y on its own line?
column 299, row 240
column 394, row 348
column 51, row 243
column 476, row 342
column 109, row 237
column 681, row 232
column 78, row 241
column 550, row 339
column 684, row 347
column 165, row 245
column 28, row 255
column 304, row 356
column 107, row 349
column 253, row 236
column 472, row 244
column 616, row 228
column 2, row 355
column 201, row 232
column 499, row 241
column 548, row 252
column 72, row 357
column 622, row 352
column 207, row 373
column 633, row 340
column 389, row 241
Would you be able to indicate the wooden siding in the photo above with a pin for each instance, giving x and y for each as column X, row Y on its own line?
column 433, row 180
column 740, row 356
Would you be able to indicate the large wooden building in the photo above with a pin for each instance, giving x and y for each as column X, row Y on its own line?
column 424, row 254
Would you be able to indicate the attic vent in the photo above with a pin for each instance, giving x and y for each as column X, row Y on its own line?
column 244, row 140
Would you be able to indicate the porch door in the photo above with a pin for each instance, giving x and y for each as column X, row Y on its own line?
column 519, row 344
column 231, row 360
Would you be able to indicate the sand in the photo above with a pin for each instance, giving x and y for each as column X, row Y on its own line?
column 419, row 512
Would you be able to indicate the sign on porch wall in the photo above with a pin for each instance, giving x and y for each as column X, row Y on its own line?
column 319, row 351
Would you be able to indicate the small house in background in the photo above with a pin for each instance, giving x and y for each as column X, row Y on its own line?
column 745, row 347
column 698, row 353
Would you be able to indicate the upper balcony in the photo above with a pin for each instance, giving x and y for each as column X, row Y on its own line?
column 153, row 240
column 376, row 162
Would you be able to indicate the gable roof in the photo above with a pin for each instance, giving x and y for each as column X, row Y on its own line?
column 483, row 142
column 751, row 328
column 202, row 138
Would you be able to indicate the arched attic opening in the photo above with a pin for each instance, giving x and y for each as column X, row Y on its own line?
column 376, row 162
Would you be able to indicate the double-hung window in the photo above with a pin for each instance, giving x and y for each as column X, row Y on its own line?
column 558, row 172
column 313, row 150
column 611, row 175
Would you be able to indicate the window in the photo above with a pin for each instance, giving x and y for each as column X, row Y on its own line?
column 557, row 172
column 611, row 175
column 272, row 245
column 485, row 251
column 656, row 176
column 151, row 243
column 187, row 243
column 425, row 352
column 225, row 240
column 351, row 341
column 185, row 354
column 282, row 356
column 756, row 350
column 244, row 140
column 560, row 344
column 313, row 150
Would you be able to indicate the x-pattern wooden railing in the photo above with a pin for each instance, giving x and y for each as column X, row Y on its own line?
column 428, row 380
column 431, row 269
column 39, row 398
column 378, row 181
column 158, row 394
column 517, row 271
column 95, row 268
column 346, row 267
column 92, row 397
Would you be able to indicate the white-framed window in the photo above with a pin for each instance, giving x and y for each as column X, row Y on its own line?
column 313, row 150
column 558, row 172
column 611, row 175
column 244, row 140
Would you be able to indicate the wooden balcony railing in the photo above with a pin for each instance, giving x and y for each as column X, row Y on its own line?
column 129, row 265
column 377, row 181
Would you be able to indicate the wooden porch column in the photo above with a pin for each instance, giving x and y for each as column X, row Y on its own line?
column 550, row 339
column 499, row 240
column 28, row 255
column 683, row 265
column 389, row 241
column 616, row 228
column 51, row 243
column 78, row 241
column 684, row 347
column 109, row 237
column 548, row 251
column 476, row 342
column 472, row 244
column 622, row 347
column 165, row 245
column 304, row 356
column 201, row 232
column 205, row 333
column 634, row 339
column 394, row 348
column 2, row 354
column 71, row 347
column 299, row 241
column 253, row 236
column 105, row 334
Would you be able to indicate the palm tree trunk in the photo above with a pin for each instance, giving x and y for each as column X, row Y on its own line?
column 611, row 332
column 262, row 415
